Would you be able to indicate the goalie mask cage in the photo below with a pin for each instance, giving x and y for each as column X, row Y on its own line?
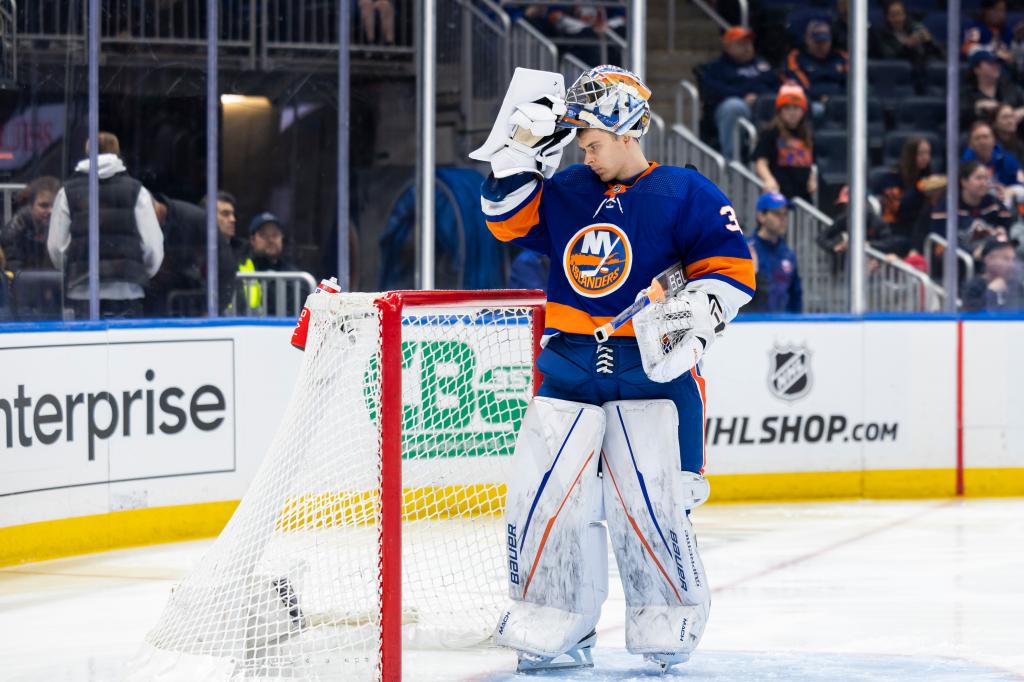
column 373, row 523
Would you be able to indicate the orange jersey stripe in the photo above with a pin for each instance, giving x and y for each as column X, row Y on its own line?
column 520, row 223
column 574, row 321
column 739, row 269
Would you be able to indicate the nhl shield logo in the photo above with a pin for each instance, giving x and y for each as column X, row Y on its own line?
column 789, row 371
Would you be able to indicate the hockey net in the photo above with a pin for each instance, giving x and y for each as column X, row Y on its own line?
column 373, row 522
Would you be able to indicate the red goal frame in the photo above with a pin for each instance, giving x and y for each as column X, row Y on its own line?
column 391, row 305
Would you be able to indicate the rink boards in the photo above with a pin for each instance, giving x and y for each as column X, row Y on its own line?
column 147, row 432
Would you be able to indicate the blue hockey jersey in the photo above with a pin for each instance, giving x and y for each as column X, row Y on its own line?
column 606, row 241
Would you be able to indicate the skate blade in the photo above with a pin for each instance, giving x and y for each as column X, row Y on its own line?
column 666, row 661
column 578, row 657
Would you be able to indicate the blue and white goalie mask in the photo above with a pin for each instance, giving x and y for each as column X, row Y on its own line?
column 608, row 98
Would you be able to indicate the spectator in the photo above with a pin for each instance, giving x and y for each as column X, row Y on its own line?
column 732, row 83
column 778, row 280
column 266, row 251
column 913, row 207
column 784, row 157
column 529, row 270
column 369, row 10
column 185, row 264
column 1005, row 126
column 985, row 90
column 900, row 38
column 989, row 32
column 131, row 243
column 998, row 286
column 227, row 223
column 817, row 67
column 1006, row 171
column 980, row 215
column 879, row 236
column 24, row 237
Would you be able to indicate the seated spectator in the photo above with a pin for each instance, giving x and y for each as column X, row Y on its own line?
column 1006, row 171
column 131, row 243
column 784, row 157
column 900, row 38
column 24, row 237
column 913, row 206
column 985, row 90
column 732, row 83
column 980, row 214
column 989, row 32
column 998, row 286
column 266, row 253
column 185, row 264
column 369, row 10
column 1005, row 125
column 877, row 233
column 817, row 66
column 777, row 277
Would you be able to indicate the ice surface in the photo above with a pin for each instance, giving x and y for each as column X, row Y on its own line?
column 859, row 591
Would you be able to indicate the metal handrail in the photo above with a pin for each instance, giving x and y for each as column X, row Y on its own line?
column 686, row 87
column 288, row 291
column 938, row 240
column 744, row 188
column 654, row 140
column 890, row 283
column 495, row 8
column 683, row 147
column 9, row 189
column 540, row 40
column 743, row 125
column 718, row 19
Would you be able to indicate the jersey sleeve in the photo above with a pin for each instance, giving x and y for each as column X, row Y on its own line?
column 512, row 210
column 715, row 253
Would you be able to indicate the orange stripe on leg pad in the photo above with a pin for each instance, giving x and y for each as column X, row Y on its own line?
column 551, row 523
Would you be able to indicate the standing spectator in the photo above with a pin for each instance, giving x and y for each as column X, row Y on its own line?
column 778, row 280
column 1005, row 126
column 266, row 253
column 227, row 223
column 369, row 10
column 989, row 32
column 1006, row 172
column 817, row 67
column 986, row 89
column 784, row 157
column 980, row 215
column 732, row 83
column 24, row 237
column 900, row 38
column 998, row 286
column 185, row 264
column 131, row 243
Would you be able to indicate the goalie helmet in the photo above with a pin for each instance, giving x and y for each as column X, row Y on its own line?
column 608, row 98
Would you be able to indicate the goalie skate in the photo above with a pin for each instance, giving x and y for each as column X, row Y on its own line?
column 577, row 657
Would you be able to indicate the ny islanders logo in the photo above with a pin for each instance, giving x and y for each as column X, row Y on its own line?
column 597, row 260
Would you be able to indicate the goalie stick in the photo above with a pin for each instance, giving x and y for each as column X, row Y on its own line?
column 665, row 285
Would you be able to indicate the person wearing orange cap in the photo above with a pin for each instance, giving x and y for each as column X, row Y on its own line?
column 731, row 84
column 784, row 157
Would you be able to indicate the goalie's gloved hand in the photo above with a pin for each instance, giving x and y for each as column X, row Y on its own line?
column 674, row 335
column 535, row 143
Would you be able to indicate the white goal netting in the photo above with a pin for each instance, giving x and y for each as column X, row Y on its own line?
column 292, row 587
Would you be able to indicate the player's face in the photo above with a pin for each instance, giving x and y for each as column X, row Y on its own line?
column 604, row 152
column 42, row 208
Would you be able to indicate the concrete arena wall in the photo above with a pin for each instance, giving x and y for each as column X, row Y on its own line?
column 136, row 433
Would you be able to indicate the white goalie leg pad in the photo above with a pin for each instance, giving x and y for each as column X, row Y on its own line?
column 557, row 551
column 646, row 500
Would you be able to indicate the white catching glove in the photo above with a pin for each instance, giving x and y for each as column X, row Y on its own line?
column 674, row 335
column 535, row 143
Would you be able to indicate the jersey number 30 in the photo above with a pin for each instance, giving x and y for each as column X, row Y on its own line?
column 732, row 224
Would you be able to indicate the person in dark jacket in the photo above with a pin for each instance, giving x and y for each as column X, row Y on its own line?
column 900, row 38
column 266, row 253
column 23, row 238
column 131, row 243
column 986, row 89
column 980, row 215
column 732, row 83
column 999, row 286
column 817, row 66
column 778, row 279
column 184, row 267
